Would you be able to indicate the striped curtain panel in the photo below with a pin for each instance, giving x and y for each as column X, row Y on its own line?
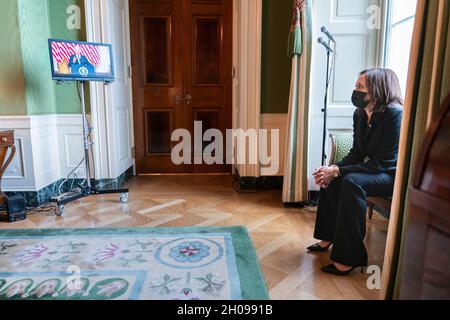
column 428, row 85
column 295, row 188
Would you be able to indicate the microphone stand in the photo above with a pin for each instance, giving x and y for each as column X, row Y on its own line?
column 325, row 106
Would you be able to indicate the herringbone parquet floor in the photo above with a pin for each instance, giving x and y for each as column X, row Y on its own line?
column 280, row 235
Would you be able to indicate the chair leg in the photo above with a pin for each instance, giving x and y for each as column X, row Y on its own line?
column 370, row 210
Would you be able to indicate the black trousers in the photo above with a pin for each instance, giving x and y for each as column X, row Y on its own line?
column 341, row 215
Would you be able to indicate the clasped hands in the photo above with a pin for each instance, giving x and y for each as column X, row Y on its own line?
column 323, row 176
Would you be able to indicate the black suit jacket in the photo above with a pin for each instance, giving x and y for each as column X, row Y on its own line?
column 375, row 146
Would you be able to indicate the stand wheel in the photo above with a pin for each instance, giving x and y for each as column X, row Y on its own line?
column 59, row 211
column 124, row 198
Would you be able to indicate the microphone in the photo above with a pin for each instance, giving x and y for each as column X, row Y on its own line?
column 328, row 34
column 322, row 42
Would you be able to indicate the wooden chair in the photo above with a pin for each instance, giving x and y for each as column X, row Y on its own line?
column 341, row 144
column 380, row 205
column 6, row 143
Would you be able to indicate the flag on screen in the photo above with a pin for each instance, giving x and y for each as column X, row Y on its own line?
column 63, row 51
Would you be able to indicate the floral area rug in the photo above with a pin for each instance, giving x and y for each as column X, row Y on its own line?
column 130, row 264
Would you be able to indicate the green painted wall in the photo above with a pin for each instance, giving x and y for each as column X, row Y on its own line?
column 12, row 82
column 34, row 31
column 26, row 87
column 66, row 95
column 276, row 65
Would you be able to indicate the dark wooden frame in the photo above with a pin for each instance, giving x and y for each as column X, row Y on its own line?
column 425, row 259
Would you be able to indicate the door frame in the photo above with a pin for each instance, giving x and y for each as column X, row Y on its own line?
column 246, row 82
column 247, row 54
column 104, row 133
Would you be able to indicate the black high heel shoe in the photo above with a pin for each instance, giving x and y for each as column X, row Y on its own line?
column 333, row 270
column 317, row 248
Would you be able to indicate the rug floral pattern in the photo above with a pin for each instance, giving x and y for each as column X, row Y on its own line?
column 121, row 266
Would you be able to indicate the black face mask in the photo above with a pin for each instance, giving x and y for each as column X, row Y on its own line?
column 359, row 99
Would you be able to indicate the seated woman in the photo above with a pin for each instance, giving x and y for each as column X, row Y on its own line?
column 368, row 170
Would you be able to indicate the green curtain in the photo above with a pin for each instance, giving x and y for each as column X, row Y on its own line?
column 295, row 188
column 428, row 85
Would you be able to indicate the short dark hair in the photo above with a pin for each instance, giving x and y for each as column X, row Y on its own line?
column 384, row 87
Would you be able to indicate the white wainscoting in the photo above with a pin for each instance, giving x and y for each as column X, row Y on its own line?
column 48, row 148
column 70, row 141
column 45, row 149
column 276, row 122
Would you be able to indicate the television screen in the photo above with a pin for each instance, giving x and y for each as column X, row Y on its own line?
column 81, row 61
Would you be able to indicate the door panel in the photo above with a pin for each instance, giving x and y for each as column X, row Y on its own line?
column 156, row 39
column 156, row 46
column 158, row 126
column 207, row 48
column 182, row 57
column 208, row 76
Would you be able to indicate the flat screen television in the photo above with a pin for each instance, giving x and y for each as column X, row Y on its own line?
column 81, row 61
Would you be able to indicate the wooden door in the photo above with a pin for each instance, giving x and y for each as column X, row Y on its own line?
column 157, row 82
column 182, row 62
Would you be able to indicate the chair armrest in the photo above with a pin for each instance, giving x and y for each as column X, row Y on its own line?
column 332, row 159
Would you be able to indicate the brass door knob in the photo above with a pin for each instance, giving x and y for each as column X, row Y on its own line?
column 4, row 139
column 177, row 98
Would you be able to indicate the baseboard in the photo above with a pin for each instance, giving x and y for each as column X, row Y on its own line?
column 256, row 184
column 313, row 197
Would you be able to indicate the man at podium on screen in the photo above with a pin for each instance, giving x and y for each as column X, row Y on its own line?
column 79, row 64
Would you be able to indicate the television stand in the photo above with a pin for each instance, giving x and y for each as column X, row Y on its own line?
column 66, row 198
column 88, row 189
